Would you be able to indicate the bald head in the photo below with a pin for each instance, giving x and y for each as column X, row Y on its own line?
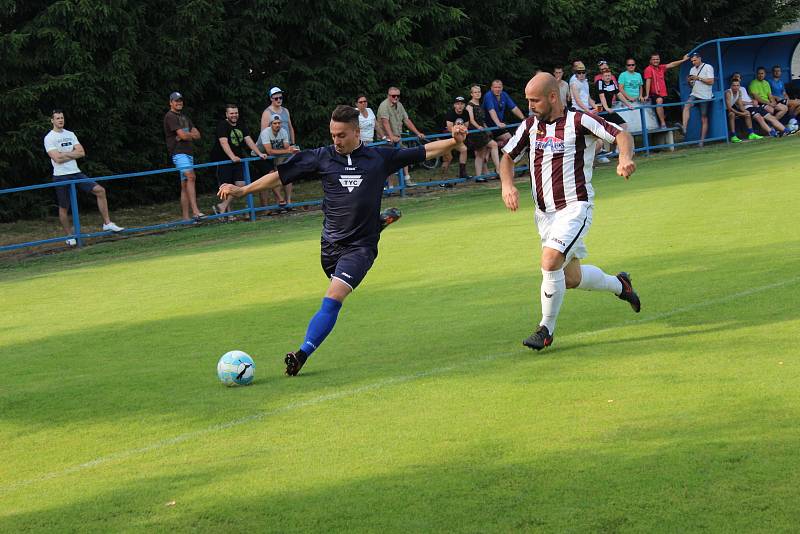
column 543, row 97
column 542, row 84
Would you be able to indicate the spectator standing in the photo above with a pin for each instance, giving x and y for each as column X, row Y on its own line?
column 780, row 94
column 274, row 140
column 563, row 87
column 579, row 90
column 602, row 68
column 496, row 103
column 737, row 109
column 701, row 78
column 480, row 142
column 276, row 108
column 457, row 115
column 391, row 118
column 655, row 84
column 366, row 119
column 64, row 150
column 231, row 139
column 180, row 134
column 761, row 92
column 631, row 83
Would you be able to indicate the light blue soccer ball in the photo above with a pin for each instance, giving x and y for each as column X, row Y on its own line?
column 236, row 368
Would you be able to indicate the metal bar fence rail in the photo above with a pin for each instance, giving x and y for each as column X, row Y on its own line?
column 251, row 210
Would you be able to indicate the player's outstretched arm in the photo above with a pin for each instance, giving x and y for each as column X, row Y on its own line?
column 268, row 181
column 509, row 190
column 439, row 148
column 626, row 166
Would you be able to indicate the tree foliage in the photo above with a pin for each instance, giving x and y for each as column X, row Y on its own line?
column 110, row 65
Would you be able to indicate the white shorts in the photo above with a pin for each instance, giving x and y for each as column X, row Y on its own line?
column 564, row 230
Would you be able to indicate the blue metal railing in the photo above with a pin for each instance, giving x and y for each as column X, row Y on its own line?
column 251, row 210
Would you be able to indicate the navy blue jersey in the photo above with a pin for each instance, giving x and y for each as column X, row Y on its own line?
column 352, row 185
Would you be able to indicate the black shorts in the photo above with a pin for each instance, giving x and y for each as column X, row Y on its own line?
column 758, row 110
column 615, row 118
column 500, row 132
column 229, row 174
column 62, row 193
column 263, row 166
column 348, row 263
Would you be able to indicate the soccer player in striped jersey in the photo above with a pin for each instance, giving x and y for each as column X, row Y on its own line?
column 561, row 147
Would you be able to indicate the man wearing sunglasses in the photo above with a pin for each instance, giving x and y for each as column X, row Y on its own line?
column 631, row 82
column 391, row 118
column 276, row 108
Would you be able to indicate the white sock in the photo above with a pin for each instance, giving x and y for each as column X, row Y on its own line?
column 553, row 289
column 594, row 279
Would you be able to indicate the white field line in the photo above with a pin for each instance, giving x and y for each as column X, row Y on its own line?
column 190, row 436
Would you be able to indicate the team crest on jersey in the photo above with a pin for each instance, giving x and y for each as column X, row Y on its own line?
column 350, row 181
column 550, row 142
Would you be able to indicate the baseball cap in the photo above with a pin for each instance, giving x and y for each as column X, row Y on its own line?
column 579, row 66
column 274, row 91
column 602, row 62
column 693, row 54
column 276, row 118
column 175, row 95
column 459, row 99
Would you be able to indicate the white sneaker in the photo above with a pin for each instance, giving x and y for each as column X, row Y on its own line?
column 409, row 181
column 113, row 227
column 603, row 159
column 71, row 242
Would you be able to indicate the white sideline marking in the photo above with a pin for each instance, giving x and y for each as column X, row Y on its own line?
column 188, row 436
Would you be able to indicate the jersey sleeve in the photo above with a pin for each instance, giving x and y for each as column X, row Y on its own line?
column 520, row 142
column 599, row 127
column 397, row 158
column 304, row 164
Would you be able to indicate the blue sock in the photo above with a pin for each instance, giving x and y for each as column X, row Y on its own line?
column 750, row 131
column 321, row 325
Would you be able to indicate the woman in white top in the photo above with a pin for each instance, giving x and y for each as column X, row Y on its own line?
column 366, row 119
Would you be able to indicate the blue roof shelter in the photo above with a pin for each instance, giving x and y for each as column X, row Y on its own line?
column 737, row 54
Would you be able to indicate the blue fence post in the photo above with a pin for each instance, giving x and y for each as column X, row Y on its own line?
column 76, row 218
column 645, row 134
column 250, row 205
column 401, row 177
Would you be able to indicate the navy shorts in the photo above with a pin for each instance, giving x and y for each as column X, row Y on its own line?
column 347, row 263
column 62, row 193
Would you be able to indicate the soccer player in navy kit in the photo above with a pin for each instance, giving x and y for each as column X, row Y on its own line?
column 352, row 177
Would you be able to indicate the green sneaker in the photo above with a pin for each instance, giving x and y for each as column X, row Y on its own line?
column 735, row 139
column 753, row 136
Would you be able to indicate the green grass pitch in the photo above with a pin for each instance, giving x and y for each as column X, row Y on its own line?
column 422, row 412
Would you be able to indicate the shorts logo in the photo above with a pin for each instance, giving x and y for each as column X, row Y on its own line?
column 347, row 275
column 558, row 241
column 549, row 142
column 350, row 181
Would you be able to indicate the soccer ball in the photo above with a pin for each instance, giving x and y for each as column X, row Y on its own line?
column 236, row 368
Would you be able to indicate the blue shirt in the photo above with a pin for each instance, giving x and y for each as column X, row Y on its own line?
column 491, row 102
column 352, row 186
column 777, row 88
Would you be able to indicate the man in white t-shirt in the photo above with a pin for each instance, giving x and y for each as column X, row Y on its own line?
column 274, row 141
column 701, row 78
column 64, row 150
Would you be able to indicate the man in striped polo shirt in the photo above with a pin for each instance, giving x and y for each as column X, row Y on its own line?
column 561, row 149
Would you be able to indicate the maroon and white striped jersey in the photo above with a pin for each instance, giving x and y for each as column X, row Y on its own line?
column 561, row 156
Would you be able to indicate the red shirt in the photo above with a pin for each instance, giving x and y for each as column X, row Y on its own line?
column 658, row 86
